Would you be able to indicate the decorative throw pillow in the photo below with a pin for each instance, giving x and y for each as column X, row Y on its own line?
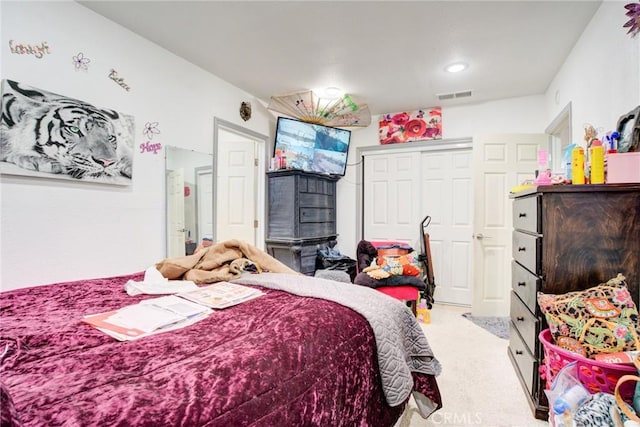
column 400, row 265
column 602, row 319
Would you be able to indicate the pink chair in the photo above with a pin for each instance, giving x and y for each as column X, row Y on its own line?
column 409, row 294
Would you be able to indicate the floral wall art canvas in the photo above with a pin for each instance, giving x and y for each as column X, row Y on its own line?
column 46, row 135
column 410, row 126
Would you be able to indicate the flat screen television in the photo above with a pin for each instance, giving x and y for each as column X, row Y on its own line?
column 312, row 148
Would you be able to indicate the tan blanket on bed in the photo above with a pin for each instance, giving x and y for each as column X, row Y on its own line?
column 222, row 261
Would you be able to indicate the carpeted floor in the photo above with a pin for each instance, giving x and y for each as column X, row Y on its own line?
column 498, row 326
column 478, row 384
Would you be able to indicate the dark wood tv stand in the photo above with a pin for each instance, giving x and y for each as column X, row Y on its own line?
column 301, row 217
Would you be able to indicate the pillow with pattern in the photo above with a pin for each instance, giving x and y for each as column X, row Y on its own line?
column 400, row 265
column 601, row 319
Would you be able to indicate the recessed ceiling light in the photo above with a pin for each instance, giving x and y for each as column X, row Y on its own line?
column 456, row 67
column 333, row 92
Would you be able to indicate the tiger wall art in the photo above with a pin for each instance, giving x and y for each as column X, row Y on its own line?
column 47, row 135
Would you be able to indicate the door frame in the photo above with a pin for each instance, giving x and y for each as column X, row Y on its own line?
column 362, row 152
column 263, row 155
column 201, row 173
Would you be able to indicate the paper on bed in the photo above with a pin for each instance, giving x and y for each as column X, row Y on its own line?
column 154, row 283
column 148, row 317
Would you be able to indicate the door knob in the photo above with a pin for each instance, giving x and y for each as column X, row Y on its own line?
column 481, row 236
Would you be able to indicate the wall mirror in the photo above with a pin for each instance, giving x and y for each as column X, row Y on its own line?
column 189, row 207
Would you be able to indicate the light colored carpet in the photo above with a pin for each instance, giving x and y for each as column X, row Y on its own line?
column 478, row 384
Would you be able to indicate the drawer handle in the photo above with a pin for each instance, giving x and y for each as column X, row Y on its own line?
column 519, row 352
column 522, row 248
column 522, row 283
column 522, row 215
column 520, row 319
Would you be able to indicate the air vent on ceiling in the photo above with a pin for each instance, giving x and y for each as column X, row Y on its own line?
column 454, row 95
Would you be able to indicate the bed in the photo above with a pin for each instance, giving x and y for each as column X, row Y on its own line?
column 279, row 360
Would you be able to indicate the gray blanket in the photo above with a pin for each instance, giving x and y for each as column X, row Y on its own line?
column 402, row 346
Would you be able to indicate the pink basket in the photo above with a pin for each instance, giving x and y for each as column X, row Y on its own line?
column 594, row 375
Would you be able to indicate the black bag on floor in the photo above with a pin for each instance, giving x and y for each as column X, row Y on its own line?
column 332, row 260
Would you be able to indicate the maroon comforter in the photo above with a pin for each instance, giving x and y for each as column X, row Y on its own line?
column 279, row 360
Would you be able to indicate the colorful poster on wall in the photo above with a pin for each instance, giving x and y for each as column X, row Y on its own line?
column 410, row 126
column 46, row 135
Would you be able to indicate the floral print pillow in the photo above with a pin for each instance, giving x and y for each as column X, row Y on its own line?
column 602, row 319
column 399, row 265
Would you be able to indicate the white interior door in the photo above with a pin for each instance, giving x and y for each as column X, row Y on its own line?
column 175, row 213
column 390, row 198
column 447, row 196
column 500, row 162
column 204, row 184
column 236, row 189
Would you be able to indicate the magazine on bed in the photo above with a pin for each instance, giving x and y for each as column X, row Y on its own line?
column 221, row 295
column 148, row 317
column 171, row 312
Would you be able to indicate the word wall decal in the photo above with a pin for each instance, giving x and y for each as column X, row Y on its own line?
column 150, row 130
column 148, row 147
column 26, row 49
column 113, row 75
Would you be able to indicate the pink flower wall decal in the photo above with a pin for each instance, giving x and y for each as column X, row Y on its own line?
column 633, row 12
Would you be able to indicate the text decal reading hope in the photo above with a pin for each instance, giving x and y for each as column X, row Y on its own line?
column 148, row 147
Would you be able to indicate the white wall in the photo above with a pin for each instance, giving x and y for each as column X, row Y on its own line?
column 53, row 230
column 601, row 75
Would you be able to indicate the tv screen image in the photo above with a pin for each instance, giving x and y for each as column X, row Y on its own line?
column 311, row 147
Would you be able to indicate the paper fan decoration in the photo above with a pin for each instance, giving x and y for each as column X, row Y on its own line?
column 309, row 107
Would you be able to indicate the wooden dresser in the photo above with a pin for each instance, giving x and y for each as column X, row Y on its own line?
column 301, row 218
column 566, row 238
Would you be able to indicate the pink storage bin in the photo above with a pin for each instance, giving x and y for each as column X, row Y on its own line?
column 623, row 168
column 594, row 375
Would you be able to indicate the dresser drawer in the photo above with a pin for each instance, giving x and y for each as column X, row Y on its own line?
column 527, row 251
column 526, row 215
column 316, row 185
column 524, row 321
column 316, row 215
column 525, row 284
column 317, row 229
column 298, row 255
column 308, row 256
column 525, row 362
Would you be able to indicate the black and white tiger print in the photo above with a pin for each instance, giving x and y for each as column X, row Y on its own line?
column 45, row 132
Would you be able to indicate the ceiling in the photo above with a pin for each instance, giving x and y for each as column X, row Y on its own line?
column 390, row 54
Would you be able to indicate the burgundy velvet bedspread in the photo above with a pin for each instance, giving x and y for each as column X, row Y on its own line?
column 279, row 360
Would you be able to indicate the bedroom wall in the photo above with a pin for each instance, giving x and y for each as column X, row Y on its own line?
column 54, row 230
column 601, row 75
column 514, row 115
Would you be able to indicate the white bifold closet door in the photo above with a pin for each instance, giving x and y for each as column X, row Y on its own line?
column 400, row 189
